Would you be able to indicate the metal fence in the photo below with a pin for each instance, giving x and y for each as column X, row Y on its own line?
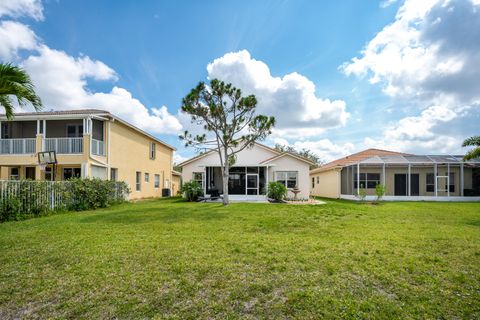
column 17, row 146
column 41, row 195
column 98, row 147
column 64, row 145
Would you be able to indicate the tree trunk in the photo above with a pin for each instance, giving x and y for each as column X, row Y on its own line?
column 225, row 175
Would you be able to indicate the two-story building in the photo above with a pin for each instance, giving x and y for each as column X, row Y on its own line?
column 88, row 143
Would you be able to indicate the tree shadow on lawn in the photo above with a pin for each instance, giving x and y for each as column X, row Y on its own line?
column 167, row 214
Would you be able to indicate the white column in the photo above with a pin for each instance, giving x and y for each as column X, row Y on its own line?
column 448, row 179
column 435, row 179
column 38, row 127
column 358, row 179
column 461, row 179
column 383, row 175
column 45, row 128
column 409, row 181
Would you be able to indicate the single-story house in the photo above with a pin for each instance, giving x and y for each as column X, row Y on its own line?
column 406, row 177
column 249, row 176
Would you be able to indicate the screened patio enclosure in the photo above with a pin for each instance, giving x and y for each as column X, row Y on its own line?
column 431, row 177
column 249, row 180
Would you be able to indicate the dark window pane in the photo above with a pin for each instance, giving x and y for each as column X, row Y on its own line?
column 373, row 176
column 252, row 191
column 291, row 183
column 252, row 169
column 430, row 178
column 371, row 184
column 430, row 188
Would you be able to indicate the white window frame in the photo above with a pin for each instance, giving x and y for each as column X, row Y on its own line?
column 146, row 177
column 113, row 176
column 285, row 179
column 200, row 181
column 153, row 151
column 78, row 131
column 156, row 181
column 138, row 181
column 15, row 176
column 48, row 171
column 72, row 168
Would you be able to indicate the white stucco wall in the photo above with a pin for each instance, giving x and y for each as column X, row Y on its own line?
column 253, row 157
column 288, row 163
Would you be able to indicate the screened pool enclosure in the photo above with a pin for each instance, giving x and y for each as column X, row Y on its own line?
column 413, row 176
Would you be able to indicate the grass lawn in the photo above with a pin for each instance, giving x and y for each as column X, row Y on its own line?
column 170, row 259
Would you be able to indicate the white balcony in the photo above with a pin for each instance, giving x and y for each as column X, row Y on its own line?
column 18, row 146
column 98, row 147
column 64, row 145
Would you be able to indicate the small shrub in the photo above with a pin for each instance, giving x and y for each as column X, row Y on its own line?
column 191, row 190
column 10, row 209
column 380, row 191
column 362, row 193
column 88, row 194
column 276, row 191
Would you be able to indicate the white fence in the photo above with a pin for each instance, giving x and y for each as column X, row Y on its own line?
column 41, row 195
column 18, row 146
column 98, row 147
column 64, row 145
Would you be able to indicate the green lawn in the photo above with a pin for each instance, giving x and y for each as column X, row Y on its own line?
column 170, row 259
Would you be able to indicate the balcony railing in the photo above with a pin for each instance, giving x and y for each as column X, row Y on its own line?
column 18, row 146
column 64, row 145
column 98, row 147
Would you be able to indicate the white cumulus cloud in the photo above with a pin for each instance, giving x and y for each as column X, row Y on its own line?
column 15, row 36
column 428, row 57
column 62, row 82
column 291, row 98
column 19, row 8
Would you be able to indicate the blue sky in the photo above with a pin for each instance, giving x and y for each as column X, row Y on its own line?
column 133, row 58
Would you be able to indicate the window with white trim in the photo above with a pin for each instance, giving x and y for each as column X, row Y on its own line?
column 156, row 181
column 14, row 174
column 430, row 182
column 367, row 180
column 313, row 182
column 287, row 178
column 113, row 174
column 153, row 150
column 48, row 173
column 138, row 181
column 451, row 182
column 147, row 177
column 198, row 176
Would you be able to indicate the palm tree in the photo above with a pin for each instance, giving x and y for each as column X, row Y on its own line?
column 475, row 152
column 16, row 83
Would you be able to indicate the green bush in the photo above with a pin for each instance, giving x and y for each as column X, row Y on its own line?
column 24, row 199
column 89, row 194
column 191, row 190
column 380, row 191
column 276, row 191
column 10, row 209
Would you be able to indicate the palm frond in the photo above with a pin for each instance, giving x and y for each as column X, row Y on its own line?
column 472, row 154
column 16, row 83
column 472, row 141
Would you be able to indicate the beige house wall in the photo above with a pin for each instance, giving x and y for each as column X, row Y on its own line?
column 176, row 184
column 326, row 184
column 130, row 152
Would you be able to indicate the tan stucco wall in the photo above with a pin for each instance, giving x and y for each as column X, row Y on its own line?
column 176, row 184
column 130, row 153
column 328, row 184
